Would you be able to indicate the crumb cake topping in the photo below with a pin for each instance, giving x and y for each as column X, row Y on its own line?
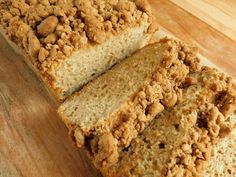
column 179, row 141
column 50, row 30
column 162, row 89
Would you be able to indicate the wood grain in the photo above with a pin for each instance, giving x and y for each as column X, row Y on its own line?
column 34, row 141
column 214, row 45
column 221, row 15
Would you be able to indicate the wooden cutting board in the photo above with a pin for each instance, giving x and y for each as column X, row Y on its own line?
column 34, row 141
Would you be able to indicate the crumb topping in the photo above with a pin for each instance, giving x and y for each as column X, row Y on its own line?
column 162, row 91
column 50, row 30
column 179, row 141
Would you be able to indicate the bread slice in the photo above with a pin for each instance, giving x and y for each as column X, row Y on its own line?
column 180, row 141
column 118, row 104
column 71, row 43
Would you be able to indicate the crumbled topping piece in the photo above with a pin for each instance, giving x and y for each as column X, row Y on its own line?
column 51, row 38
column 107, row 149
column 33, row 45
column 47, row 26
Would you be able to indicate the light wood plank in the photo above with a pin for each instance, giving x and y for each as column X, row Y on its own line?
column 221, row 15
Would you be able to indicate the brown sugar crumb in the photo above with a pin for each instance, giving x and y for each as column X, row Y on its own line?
column 63, row 27
column 189, row 81
column 47, row 26
column 33, row 44
column 225, row 101
column 179, row 141
column 106, row 148
column 143, row 5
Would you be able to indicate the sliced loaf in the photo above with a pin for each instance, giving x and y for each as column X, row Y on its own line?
column 118, row 104
column 71, row 42
column 181, row 140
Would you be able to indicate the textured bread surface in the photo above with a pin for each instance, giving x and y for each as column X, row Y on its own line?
column 223, row 160
column 112, row 109
column 71, row 42
column 181, row 140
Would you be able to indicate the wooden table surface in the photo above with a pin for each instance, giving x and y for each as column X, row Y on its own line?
column 34, row 141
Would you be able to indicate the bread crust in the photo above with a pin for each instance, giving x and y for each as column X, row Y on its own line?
column 49, row 32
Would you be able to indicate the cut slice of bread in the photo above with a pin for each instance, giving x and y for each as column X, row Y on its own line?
column 180, row 141
column 118, row 104
column 71, row 43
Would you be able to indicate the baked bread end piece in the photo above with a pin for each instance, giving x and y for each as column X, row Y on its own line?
column 71, row 43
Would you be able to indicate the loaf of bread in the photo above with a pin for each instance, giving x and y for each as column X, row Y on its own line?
column 188, row 139
column 70, row 42
column 118, row 105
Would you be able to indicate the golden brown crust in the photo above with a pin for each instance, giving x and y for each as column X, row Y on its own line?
column 179, row 141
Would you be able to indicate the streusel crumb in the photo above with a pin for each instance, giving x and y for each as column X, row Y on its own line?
column 179, row 141
column 50, row 30
column 161, row 90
